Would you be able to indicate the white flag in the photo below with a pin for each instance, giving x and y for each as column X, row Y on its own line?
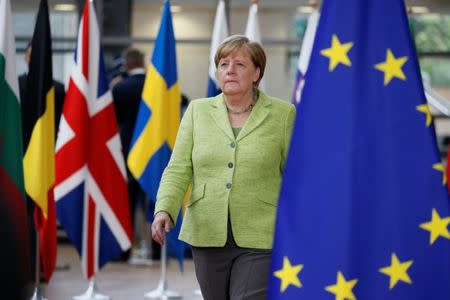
column 220, row 32
column 8, row 48
column 252, row 31
column 305, row 55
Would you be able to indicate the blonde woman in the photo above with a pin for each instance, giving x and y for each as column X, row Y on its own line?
column 232, row 148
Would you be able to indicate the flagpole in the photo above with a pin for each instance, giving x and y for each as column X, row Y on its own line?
column 37, row 292
column 162, row 290
column 92, row 292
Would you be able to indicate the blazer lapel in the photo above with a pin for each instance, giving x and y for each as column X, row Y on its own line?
column 220, row 116
column 259, row 113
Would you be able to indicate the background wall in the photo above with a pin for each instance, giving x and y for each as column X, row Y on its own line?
column 198, row 24
column 281, row 28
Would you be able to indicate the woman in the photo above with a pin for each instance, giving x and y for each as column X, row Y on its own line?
column 232, row 148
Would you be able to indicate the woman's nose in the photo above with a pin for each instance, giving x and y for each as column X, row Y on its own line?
column 230, row 69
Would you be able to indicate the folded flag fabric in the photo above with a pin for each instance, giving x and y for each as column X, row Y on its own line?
column 363, row 210
column 91, row 184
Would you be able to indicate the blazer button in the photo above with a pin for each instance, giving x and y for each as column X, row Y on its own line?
column 230, row 165
column 228, row 185
column 232, row 145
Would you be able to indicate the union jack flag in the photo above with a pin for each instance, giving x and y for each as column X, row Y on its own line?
column 91, row 189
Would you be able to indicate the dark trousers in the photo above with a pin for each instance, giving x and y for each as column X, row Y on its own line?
column 231, row 272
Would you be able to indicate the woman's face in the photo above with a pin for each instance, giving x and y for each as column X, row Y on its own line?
column 237, row 73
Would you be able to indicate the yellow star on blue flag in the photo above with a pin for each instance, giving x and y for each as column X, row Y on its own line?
column 364, row 192
column 392, row 67
column 397, row 271
column 424, row 108
column 337, row 53
column 438, row 227
column 441, row 169
column 343, row 289
column 288, row 275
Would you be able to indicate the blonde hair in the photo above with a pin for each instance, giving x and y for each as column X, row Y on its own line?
column 236, row 42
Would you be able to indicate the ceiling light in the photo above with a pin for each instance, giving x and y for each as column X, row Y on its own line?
column 419, row 9
column 65, row 7
column 305, row 9
column 174, row 9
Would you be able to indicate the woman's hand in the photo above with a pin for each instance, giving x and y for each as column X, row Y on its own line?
column 161, row 221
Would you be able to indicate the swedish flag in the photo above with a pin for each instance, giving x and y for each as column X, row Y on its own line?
column 159, row 112
column 158, row 119
column 363, row 210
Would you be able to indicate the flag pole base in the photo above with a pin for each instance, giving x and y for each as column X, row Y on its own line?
column 162, row 292
column 37, row 291
column 37, row 294
column 198, row 293
column 92, row 293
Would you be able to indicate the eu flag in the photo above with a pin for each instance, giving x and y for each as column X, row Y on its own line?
column 363, row 210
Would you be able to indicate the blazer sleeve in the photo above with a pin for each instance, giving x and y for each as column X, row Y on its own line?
column 288, row 126
column 178, row 173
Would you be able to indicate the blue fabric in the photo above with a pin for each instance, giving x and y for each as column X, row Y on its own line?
column 70, row 214
column 212, row 88
column 176, row 247
column 142, row 118
column 164, row 54
column 103, row 84
column 108, row 246
column 151, row 177
column 361, row 179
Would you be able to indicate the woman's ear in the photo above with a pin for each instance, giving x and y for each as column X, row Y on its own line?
column 256, row 75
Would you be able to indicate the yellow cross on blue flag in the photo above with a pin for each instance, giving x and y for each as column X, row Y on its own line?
column 159, row 112
column 157, row 122
column 363, row 210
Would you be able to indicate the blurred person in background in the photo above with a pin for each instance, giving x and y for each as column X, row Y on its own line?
column 60, row 92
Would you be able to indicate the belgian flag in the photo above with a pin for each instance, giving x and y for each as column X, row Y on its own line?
column 39, row 139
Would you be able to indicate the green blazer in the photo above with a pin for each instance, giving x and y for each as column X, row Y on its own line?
column 231, row 177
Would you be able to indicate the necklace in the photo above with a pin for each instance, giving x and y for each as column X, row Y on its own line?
column 248, row 108
column 239, row 112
